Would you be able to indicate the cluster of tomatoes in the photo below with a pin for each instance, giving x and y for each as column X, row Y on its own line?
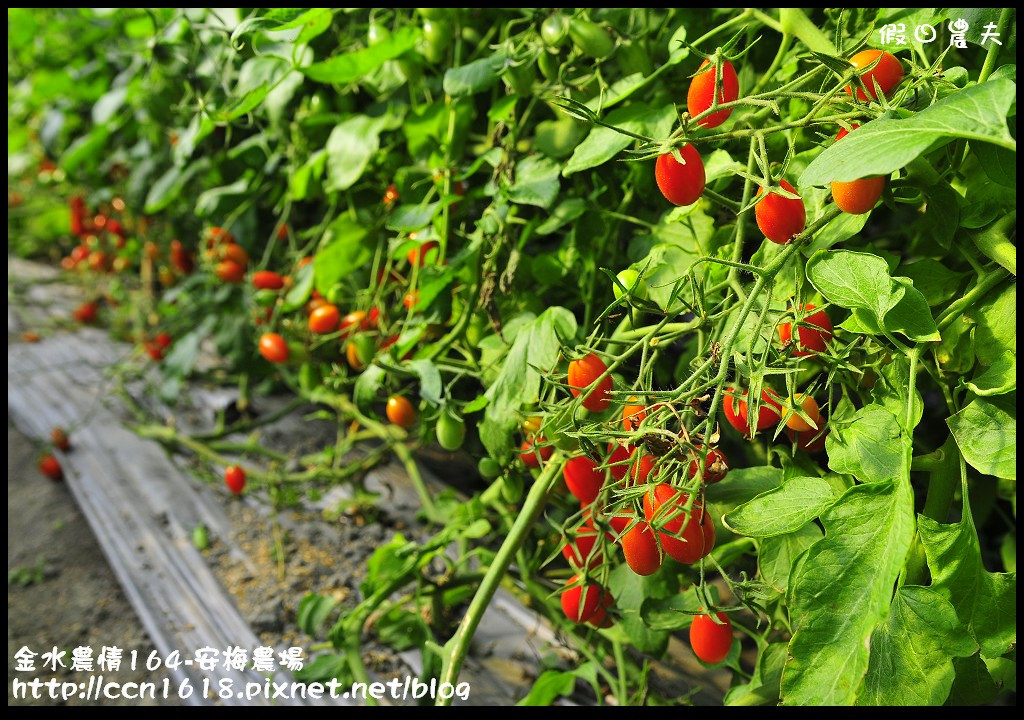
column 780, row 214
column 101, row 237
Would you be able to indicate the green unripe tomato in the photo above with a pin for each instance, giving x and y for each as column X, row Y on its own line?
column 265, row 297
column 364, row 348
column 488, row 468
column 437, row 37
column 377, row 33
column 451, row 430
column 471, row 35
column 200, row 539
column 476, row 329
column 434, row 13
column 591, row 39
column 520, row 79
column 309, row 377
column 554, row 30
column 633, row 283
column 548, row 64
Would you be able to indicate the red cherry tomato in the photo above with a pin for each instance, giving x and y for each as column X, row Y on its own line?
column 583, row 479
column 640, row 548
column 400, row 411
column 618, row 461
column 779, row 218
column 50, row 467
column 533, row 447
column 601, row 618
column 702, row 91
column 350, row 323
column 736, row 410
column 581, row 602
column 582, row 374
column 715, row 467
column 60, row 439
column 411, row 299
column 857, row 196
column 86, row 312
column 641, row 467
column 633, row 415
column 664, row 509
column 580, row 550
column 812, row 333
column 230, row 272
column 234, row 478
column 273, row 348
column 681, row 184
column 267, row 280
column 888, row 73
column 710, row 641
column 324, row 319
column 810, row 441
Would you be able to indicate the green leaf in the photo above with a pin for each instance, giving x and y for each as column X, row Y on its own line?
column 346, row 247
column 630, row 593
column 985, row 602
column 986, row 431
column 936, row 282
column 406, row 218
column 882, row 146
column 537, row 345
column 565, row 212
column 783, row 510
column 744, row 484
column 550, row 685
column 890, row 391
column 763, row 688
column 430, row 380
column 869, row 445
column 912, row 651
column 86, row 150
column 672, row 613
column 169, row 185
column 973, row 684
column 350, row 67
column 350, row 147
column 995, row 333
column 861, row 282
column 602, row 144
column 841, row 590
column 302, row 289
column 313, row 612
column 474, row 77
column 369, row 382
column 536, row 182
column 109, row 104
column 1000, row 378
column 776, row 556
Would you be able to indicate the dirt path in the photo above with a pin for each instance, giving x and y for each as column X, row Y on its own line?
column 60, row 590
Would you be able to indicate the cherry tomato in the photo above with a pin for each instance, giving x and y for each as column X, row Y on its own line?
column 640, row 548
column 710, row 641
column 715, row 468
column 618, row 461
column 779, row 218
column 234, row 478
column 390, row 195
column 267, row 280
column 450, row 430
column 641, row 467
column 702, row 92
column 50, row 467
column 579, row 603
column 418, row 255
column 888, row 73
column 411, row 299
column 86, row 312
column 60, row 439
column 437, row 36
column 181, row 259
column 680, row 183
column 554, row 30
column 580, row 550
column 601, row 618
column 735, row 408
column 633, row 415
column 808, row 339
column 351, row 322
column 235, row 253
column 582, row 374
column 533, row 447
column 230, row 272
column 591, row 39
column 632, row 282
column 324, row 319
column 583, row 479
column 400, row 411
column 810, row 407
column 531, row 425
column 664, row 509
column 273, row 348
column 359, row 352
column 857, row 196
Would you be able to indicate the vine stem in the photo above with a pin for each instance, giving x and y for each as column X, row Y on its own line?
column 993, row 49
column 458, row 646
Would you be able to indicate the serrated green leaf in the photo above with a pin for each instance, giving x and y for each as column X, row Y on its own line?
column 986, row 431
column 869, row 445
column 783, row 510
